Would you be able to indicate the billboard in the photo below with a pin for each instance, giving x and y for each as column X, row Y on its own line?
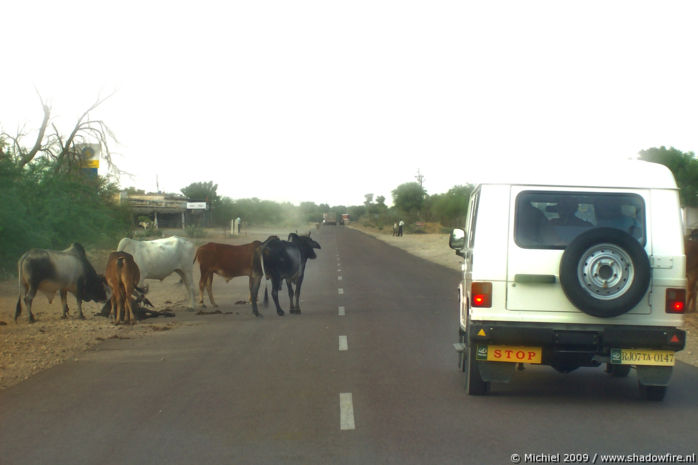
column 89, row 158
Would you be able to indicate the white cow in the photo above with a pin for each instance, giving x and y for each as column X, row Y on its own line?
column 160, row 258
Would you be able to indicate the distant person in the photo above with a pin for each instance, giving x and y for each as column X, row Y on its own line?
column 400, row 227
column 395, row 229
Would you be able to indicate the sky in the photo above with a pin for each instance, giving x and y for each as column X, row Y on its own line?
column 327, row 101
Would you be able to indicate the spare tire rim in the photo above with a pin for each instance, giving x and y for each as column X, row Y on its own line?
column 606, row 271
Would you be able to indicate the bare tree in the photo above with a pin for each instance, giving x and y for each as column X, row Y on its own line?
column 66, row 151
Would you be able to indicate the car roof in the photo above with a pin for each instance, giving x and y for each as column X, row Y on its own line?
column 633, row 174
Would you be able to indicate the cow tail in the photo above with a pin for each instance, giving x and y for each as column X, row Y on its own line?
column 261, row 261
column 264, row 275
column 18, row 310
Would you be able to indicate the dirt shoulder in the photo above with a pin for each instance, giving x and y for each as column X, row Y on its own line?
column 434, row 247
column 26, row 349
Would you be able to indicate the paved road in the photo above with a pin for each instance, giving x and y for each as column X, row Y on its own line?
column 367, row 375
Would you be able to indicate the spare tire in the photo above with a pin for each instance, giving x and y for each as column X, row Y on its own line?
column 604, row 272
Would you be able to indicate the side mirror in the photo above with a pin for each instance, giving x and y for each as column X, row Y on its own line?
column 457, row 240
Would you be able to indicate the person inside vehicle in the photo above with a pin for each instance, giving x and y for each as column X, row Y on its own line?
column 567, row 211
column 610, row 214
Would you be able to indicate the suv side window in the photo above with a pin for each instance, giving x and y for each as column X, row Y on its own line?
column 551, row 220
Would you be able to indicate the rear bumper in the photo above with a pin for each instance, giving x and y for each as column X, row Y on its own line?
column 587, row 338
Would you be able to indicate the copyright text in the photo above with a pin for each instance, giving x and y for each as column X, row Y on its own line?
column 602, row 458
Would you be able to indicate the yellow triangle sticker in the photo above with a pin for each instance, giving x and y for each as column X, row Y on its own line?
column 481, row 333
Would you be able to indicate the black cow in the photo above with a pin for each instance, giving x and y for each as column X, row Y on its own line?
column 286, row 260
column 49, row 271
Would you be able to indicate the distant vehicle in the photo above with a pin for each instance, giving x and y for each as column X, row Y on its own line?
column 345, row 218
column 329, row 218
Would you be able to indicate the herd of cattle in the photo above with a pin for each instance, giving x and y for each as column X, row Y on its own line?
column 69, row 270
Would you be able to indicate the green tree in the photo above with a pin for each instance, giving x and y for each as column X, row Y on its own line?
column 201, row 192
column 223, row 212
column 684, row 167
column 451, row 208
column 409, row 197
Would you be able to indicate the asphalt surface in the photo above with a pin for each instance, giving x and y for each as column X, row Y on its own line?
column 366, row 375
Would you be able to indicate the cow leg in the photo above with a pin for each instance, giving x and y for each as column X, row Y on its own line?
column 299, row 282
column 64, row 303
column 122, row 305
column 28, row 299
column 275, row 286
column 209, row 287
column 290, row 296
column 80, row 315
column 113, row 307
column 202, row 284
column 131, row 316
column 118, row 307
column 189, row 283
column 255, row 281
column 206, row 282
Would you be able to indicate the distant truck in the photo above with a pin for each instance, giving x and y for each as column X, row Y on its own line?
column 329, row 218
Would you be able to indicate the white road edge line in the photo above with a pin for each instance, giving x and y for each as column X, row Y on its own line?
column 343, row 344
column 346, row 412
column 341, row 311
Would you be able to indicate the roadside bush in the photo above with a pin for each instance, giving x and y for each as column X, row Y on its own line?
column 194, row 232
column 44, row 209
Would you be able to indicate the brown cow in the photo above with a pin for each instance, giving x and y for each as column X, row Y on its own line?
column 691, row 249
column 229, row 261
column 122, row 276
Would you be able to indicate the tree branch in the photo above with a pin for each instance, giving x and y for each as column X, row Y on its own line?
column 79, row 126
column 40, row 137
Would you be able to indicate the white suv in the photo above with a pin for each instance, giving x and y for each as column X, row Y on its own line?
column 573, row 269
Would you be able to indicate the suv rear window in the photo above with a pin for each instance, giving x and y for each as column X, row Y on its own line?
column 551, row 220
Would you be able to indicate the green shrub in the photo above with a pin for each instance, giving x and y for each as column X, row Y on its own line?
column 41, row 208
column 194, row 232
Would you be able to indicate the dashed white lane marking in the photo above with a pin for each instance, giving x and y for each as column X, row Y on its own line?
column 343, row 343
column 341, row 311
column 340, row 291
column 346, row 411
column 339, row 278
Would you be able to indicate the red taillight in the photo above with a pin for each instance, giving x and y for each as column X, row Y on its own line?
column 481, row 294
column 675, row 300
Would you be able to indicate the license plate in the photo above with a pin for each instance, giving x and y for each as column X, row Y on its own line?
column 642, row 357
column 515, row 354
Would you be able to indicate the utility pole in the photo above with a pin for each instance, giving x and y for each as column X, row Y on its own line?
column 420, row 178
